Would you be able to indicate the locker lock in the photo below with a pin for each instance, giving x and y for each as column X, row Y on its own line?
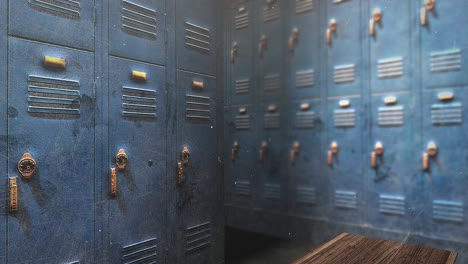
column 332, row 152
column 294, row 38
column 27, row 165
column 331, row 28
column 296, row 148
column 234, row 49
column 431, row 152
column 185, row 155
column 121, row 159
column 376, row 18
column 263, row 150
column 262, row 45
column 378, row 151
column 235, row 150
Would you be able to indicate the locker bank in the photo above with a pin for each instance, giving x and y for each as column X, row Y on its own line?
column 135, row 131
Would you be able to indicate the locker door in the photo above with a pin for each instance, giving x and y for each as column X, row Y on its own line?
column 137, row 212
column 444, row 43
column 390, row 37
column 64, row 22
column 344, row 158
column 272, row 157
column 243, row 155
column 198, row 206
column 269, row 49
column 51, row 117
column 342, row 34
column 392, row 161
column 445, row 154
column 137, row 30
column 304, row 48
column 306, row 165
column 196, row 35
column 241, row 51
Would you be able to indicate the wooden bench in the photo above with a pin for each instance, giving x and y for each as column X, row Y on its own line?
column 348, row 248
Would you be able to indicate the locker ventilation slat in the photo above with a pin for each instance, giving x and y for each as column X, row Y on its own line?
column 305, row 119
column 241, row 20
column 447, row 114
column 346, row 199
column 345, row 73
column 198, row 237
column 271, row 83
column 143, row 252
column 242, row 188
column 50, row 96
column 271, row 13
column 138, row 20
column 271, row 120
column 345, row 118
column 389, row 204
column 391, row 116
column 242, row 86
column 271, row 191
column 303, row 6
column 197, row 37
column 138, row 103
column 74, row 262
column 306, row 195
column 390, row 68
column 242, row 122
column 67, row 8
column 446, row 61
column 197, row 108
column 450, row 211
column 305, row 79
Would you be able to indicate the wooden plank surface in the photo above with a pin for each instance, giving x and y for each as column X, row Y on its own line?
column 349, row 249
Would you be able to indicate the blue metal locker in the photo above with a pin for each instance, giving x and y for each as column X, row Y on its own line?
column 269, row 48
column 304, row 48
column 137, row 207
column 306, row 134
column 392, row 162
column 65, row 22
column 196, row 35
column 138, row 29
column 198, row 214
column 50, row 153
column 347, row 189
column 241, row 53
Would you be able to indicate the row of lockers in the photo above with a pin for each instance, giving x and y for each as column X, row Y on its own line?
column 352, row 111
column 109, row 120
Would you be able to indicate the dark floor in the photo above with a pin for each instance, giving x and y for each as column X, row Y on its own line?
column 243, row 247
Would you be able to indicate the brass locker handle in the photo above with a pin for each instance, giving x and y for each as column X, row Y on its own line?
column 197, row 85
column 139, row 75
column 423, row 16
column 429, row 5
column 331, row 28
column 425, row 160
column 272, row 108
column 294, row 38
column 27, row 165
column 235, row 150
column 180, row 173
column 113, row 182
column 378, row 151
column 263, row 44
column 304, row 106
column 242, row 111
column 13, row 185
column 121, row 159
column 328, row 36
column 185, row 155
column 431, row 151
column 373, row 159
column 294, row 152
column 372, row 27
column 55, row 62
column 263, row 150
column 234, row 51
column 377, row 15
column 333, row 151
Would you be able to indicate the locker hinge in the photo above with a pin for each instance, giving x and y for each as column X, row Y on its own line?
column 94, row 14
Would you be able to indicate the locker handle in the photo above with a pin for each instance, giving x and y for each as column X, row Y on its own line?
column 425, row 160
column 390, row 100
column 197, row 85
column 294, row 152
column 429, row 5
column 180, row 173
column 376, row 18
column 234, row 51
column 185, row 155
column 431, row 151
column 139, row 75
column 262, row 45
column 331, row 28
column 333, row 151
column 294, row 38
column 373, row 160
column 423, row 16
column 55, row 62
column 121, row 159
column 263, row 150
column 304, row 106
column 372, row 27
column 113, row 182
column 13, row 186
column 235, row 150
column 272, row 108
column 445, row 96
column 27, row 165
column 242, row 111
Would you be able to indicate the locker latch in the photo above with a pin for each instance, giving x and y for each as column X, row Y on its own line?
column 294, row 38
column 376, row 18
column 331, row 28
column 139, row 75
column 113, row 182
column 27, row 165
column 55, row 62
column 235, row 150
column 13, row 186
column 378, row 151
column 262, row 45
column 296, row 148
column 185, row 155
column 332, row 152
column 234, row 49
column 431, row 152
column 180, row 173
column 263, row 150
column 429, row 5
column 121, row 159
